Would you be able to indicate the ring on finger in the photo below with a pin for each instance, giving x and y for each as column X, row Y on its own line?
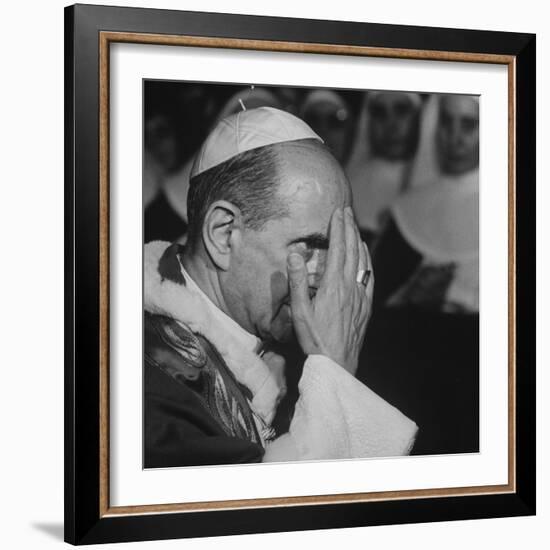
column 363, row 276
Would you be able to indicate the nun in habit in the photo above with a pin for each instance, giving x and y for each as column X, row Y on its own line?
column 427, row 292
column 428, row 255
column 384, row 147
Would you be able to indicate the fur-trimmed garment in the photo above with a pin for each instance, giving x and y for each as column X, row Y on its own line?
column 211, row 399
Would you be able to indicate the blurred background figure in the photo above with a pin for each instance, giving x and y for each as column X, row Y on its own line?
column 176, row 186
column 428, row 256
column 289, row 98
column 176, row 120
column 422, row 346
column 385, row 144
column 330, row 117
column 160, row 151
column 167, row 218
column 458, row 134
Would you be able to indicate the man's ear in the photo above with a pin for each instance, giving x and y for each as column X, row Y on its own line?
column 220, row 231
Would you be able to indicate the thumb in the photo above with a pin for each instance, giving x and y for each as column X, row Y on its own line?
column 298, row 283
column 300, row 304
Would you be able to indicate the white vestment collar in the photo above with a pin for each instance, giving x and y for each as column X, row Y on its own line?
column 233, row 330
column 187, row 303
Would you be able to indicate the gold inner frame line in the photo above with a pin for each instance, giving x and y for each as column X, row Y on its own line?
column 105, row 39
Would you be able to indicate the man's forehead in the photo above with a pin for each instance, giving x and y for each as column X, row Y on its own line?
column 312, row 185
column 311, row 198
column 308, row 168
column 312, row 190
column 311, row 207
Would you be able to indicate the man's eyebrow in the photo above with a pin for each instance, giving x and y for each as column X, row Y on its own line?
column 313, row 240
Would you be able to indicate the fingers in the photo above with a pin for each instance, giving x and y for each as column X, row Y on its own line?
column 368, row 260
column 364, row 261
column 370, row 287
column 364, row 292
column 369, row 290
column 368, row 263
column 300, row 305
column 298, row 282
column 345, row 254
column 352, row 246
column 363, row 258
column 336, row 249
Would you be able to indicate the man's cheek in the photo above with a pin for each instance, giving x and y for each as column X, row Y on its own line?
column 278, row 289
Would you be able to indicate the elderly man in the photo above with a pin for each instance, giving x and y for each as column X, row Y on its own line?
column 273, row 255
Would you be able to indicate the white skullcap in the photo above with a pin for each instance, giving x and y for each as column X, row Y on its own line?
column 252, row 98
column 249, row 130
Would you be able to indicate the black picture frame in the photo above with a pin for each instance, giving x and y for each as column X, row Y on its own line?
column 85, row 523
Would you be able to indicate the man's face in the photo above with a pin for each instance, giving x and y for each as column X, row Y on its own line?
column 256, row 285
column 393, row 126
column 458, row 134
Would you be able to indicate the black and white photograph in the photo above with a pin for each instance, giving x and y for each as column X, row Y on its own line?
column 275, row 275
column 299, row 276
column 310, row 273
